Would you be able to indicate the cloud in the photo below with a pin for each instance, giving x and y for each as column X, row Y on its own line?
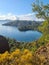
column 10, row 16
column 30, row 16
column 26, row 16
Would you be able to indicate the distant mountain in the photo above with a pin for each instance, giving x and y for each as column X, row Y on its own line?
column 24, row 24
column 4, row 21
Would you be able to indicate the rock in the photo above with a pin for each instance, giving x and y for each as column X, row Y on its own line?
column 43, row 54
column 4, row 46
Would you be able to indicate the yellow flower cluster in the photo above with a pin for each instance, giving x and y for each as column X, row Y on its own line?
column 22, row 58
column 16, row 58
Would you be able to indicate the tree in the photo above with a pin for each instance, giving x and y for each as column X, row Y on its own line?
column 41, row 9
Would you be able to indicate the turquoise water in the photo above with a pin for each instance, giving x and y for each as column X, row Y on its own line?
column 14, row 33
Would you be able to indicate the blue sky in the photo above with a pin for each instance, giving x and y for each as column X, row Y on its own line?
column 17, row 7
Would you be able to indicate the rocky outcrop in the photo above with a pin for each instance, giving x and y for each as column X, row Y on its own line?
column 4, row 46
column 42, row 54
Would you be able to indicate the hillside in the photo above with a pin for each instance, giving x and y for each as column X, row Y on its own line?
column 24, row 24
column 42, row 54
column 26, row 57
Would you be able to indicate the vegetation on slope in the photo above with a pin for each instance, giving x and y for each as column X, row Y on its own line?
column 33, row 53
column 26, row 57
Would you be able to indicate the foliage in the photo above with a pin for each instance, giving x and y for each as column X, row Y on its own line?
column 44, row 28
column 16, row 58
column 26, row 57
column 42, row 10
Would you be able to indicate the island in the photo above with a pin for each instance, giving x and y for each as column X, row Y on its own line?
column 24, row 25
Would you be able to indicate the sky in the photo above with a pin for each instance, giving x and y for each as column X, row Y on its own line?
column 20, row 8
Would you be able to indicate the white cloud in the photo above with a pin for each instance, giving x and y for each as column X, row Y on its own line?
column 30, row 16
column 26, row 16
column 10, row 16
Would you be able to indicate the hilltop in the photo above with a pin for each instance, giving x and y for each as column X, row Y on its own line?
column 24, row 24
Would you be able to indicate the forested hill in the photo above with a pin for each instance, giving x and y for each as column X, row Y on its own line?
column 24, row 24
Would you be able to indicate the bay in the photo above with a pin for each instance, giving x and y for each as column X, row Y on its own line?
column 23, row 36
